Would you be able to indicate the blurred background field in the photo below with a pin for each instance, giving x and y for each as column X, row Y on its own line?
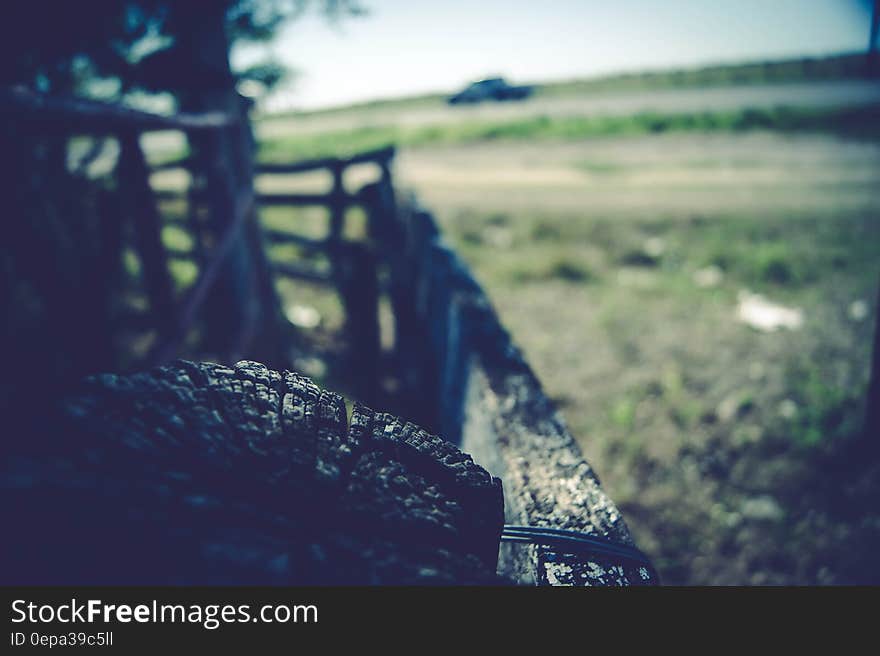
column 680, row 227
column 689, row 260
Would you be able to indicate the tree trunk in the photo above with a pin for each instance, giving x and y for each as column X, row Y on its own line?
column 238, row 301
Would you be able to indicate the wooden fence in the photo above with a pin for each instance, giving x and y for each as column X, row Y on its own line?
column 224, row 169
column 458, row 369
column 354, row 270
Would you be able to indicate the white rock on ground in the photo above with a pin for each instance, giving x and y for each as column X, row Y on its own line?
column 762, row 314
column 858, row 310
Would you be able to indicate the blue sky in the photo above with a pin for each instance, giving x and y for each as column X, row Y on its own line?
column 408, row 47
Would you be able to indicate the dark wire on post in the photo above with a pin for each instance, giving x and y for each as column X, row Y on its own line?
column 566, row 541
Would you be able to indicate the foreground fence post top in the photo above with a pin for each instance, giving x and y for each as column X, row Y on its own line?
column 493, row 405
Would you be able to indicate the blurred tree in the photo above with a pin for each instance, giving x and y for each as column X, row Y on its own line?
column 103, row 47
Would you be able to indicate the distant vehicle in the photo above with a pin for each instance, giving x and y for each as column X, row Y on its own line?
column 495, row 88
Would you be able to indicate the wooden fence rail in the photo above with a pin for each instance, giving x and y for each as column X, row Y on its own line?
column 379, row 156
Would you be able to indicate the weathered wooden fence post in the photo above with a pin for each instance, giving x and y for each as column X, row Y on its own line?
column 872, row 419
column 337, row 202
column 233, row 308
column 359, row 287
column 265, row 304
column 195, row 210
column 134, row 179
column 394, row 236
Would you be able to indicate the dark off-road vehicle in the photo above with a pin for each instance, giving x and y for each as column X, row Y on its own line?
column 495, row 88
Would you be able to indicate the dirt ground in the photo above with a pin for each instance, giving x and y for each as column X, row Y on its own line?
column 651, row 176
column 620, row 264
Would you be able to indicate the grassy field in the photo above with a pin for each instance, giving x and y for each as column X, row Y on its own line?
column 860, row 122
column 620, row 251
column 618, row 263
column 732, row 453
column 766, row 72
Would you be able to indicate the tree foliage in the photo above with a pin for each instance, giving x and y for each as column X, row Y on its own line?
column 109, row 47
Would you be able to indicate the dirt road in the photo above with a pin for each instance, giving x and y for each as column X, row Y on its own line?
column 762, row 173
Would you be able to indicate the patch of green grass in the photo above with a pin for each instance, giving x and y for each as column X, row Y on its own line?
column 683, row 408
column 570, row 270
column 547, row 231
column 598, row 168
column 773, row 263
column 774, row 255
column 558, row 267
column 472, row 236
column 762, row 263
column 176, row 238
column 623, row 413
column 863, row 122
column 337, row 143
column 639, row 258
column 382, row 105
column 183, row 273
column 312, row 222
column 498, row 220
column 825, row 411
